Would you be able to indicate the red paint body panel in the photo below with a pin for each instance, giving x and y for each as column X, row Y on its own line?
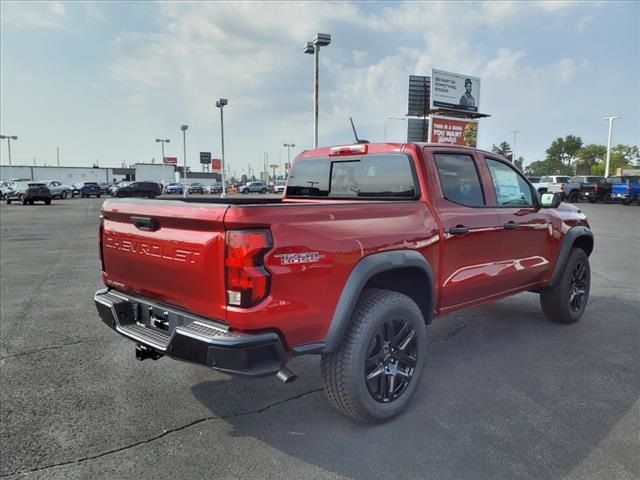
column 181, row 263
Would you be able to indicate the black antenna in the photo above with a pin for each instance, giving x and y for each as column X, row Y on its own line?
column 355, row 134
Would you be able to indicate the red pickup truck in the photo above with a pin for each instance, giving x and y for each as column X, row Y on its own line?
column 367, row 244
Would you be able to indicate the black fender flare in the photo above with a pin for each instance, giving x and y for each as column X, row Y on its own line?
column 364, row 270
column 567, row 244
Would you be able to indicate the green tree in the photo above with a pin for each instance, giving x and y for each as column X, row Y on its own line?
column 538, row 168
column 622, row 156
column 563, row 152
column 503, row 149
column 589, row 157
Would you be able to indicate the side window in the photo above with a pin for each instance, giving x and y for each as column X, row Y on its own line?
column 459, row 179
column 511, row 188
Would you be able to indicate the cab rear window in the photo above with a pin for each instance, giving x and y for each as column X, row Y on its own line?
column 379, row 177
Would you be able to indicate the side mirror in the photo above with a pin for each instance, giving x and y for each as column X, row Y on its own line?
column 550, row 200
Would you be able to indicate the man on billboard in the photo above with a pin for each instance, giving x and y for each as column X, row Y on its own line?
column 467, row 99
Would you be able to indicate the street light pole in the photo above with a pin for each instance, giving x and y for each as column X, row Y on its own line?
column 289, row 147
column 58, row 155
column 9, row 138
column 184, row 153
column 606, row 167
column 513, row 150
column 320, row 40
column 220, row 104
column 162, row 141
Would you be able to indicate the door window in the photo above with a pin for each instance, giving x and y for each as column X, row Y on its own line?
column 511, row 187
column 459, row 179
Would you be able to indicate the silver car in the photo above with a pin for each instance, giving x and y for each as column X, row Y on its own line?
column 58, row 189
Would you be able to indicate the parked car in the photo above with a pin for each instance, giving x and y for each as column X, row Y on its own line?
column 247, row 285
column 592, row 188
column 572, row 188
column 214, row 188
column 139, row 189
column 254, row 187
column 86, row 189
column 29, row 192
column 279, row 186
column 625, row 189
column 535, row 181
column 6, row 187
column 105, row 187
column 173, row 188
column 116, row 186
column 557, row 184
column 196, row 188
column 58, row 189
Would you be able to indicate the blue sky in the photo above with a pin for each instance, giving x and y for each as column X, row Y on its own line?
column 103, row 80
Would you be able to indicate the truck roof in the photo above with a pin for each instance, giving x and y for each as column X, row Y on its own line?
column 379, row 147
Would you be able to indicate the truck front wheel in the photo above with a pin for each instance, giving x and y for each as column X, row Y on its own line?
column 565, row 302
column 377, row 367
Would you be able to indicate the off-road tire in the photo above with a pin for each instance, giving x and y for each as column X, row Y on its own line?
column 626, row 202
column 47, row 202
column 343, row 371
column 555, row 301
column 593, row 200
column 22, row 199
column 8, row 202
column 573, row 197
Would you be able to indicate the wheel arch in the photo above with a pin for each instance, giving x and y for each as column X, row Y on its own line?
column 404, row 271
column 577, row 237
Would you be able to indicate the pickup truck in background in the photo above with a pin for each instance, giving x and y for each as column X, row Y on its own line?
column 367, row 245
column 625, row 189
column 559, row 184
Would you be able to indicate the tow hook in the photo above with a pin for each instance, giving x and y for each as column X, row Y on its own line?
column 143, row 352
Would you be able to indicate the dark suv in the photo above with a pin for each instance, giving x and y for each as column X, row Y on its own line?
column 30, row 192
column 139, row 189
column 86, row 189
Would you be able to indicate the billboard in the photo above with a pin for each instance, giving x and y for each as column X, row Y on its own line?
column 171, row 160
column 418, row 99
column 454, row 91
column 417, row 130
column 216, row 164
column 453, row 131
column 205, row 157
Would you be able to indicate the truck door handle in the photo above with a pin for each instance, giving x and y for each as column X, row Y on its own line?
column 458, row 230
column 145, row 223
column 510, row 225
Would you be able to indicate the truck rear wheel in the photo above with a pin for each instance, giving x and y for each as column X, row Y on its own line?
column 377, row 367
column 566, row 301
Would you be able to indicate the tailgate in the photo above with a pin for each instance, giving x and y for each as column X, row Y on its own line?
column 169, row 251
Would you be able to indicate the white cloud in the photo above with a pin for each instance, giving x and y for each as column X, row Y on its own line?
column 35, row 14
column 584, row 22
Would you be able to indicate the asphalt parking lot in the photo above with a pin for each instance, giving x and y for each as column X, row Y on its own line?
column 506, row 394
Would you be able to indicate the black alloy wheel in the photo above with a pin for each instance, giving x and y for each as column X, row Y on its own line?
column 391, row 360
column 578, row 288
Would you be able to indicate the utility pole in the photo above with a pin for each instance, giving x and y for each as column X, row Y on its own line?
column 289, row 147
column 220, row 104
column 606, row 167
column 8, row 138
column 184, row 153
column 513, row 150
column 58, row 155
column 162, row 141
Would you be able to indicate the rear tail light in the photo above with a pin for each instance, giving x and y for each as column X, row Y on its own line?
column 248, row 280
column 348, row 150
column 562, row 186
column 596, row 188
column 101, row 232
